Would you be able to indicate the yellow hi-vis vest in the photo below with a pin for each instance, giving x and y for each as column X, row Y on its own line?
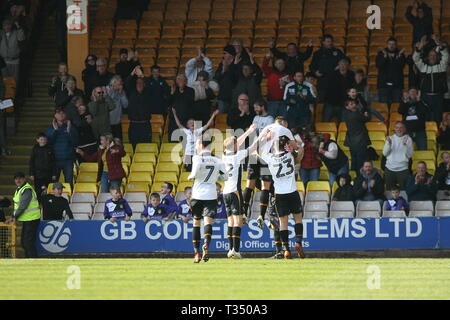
column 33, row 212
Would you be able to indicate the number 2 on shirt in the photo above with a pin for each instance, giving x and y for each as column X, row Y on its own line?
column 288, row 163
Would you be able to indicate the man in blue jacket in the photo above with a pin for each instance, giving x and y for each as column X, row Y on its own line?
column 420, row 186
column 63, row 137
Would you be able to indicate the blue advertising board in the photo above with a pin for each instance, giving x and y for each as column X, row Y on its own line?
column 66, row 237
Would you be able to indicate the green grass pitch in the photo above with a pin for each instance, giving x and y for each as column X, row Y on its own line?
column 225, row 279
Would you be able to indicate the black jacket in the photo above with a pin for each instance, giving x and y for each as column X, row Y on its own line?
column 390, row 70
column 159, row 91
column 63, row 98
column 421, row 27
column 338, row 86
column 227, row 81
column 183, row 103
column 377, row 190
column 139, row 108
column 42, row 162
column 423, row 191
column 235, row 121
column 414, row 115
column 124, row 68
column 325, row 61
column 296, row 63
column 441, row 177
column 357, row 135
column 345, row 192
column 444, row 138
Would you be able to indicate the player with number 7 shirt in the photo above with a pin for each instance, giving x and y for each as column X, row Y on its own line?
column 206, row 170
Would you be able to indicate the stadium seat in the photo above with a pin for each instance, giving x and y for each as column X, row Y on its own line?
column 368, row 209
column 89, row 167
column 422, row 208
column 137, row 207
column 182, row 185
column 424, row 155
column 171, row 147
column 136, row 197
column 102, row 197
column 316, row 210
column 144, row 157
column 442, row 208
column 81, row 208
column 342, row 209
column 318, row 186
column 167, row 167
column 376, row 126
column 317, row 196
column 420, row 214
column 394, row 214
column 82, row 198
column 179, row 197
column 140, row 177
column 85, row 188
column 98, row 216
column 146, row 148
column 142, row 167
column 81, row 216
column 166, row 176
column 173, row 158
column 137, row 187
column 87, row 177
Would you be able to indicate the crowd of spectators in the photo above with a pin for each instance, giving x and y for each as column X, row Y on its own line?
column 87, row 124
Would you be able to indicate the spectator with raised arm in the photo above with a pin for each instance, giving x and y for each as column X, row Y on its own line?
column 100, row 107
column 433, row 73
column 293, row 57
column 277, row 79
column 198, row 64
column 249, row 81
column 59, row 81
column 182, row 100
column 109, row 159
column 226, row 75
column 128, row 61
column 159, row 91
column 420, row 186
column 204, row 91
column 63, row 137
column 324, row 63
column 139, row 109
column 333, row 157
column 414, row 113
column 390, row 63
column 398, row 150
column 357, row 136
column 422, row 22
column 116, row 92
column 64, row 97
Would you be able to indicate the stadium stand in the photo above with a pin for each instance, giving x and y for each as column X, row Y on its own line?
column 169, row 33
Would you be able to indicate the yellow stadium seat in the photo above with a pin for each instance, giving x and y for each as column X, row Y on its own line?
column 166, row 176
column 431, row 126
column 184, row 176
column 424, row 155
column 67, row 188
column 318, row 186
column 322, row 127
column 170, row 157
column 323, row 176
column 342, row 127
column 144, row 157
column 377, row 136
column 142, row 167
column 125, row 168
column 300, row 187
column 377, row 145
column 146, row 148
column 89, row 166
column 140, row 177
column 137, row 187
column 87, row 177
column 128, row 148
column 167, row 167
column 182, row 185
column 85, row 188
column 126, row 159
column 376, row 126
column 171, row 147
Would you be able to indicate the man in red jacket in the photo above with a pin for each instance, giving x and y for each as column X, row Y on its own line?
column 109, row 159
column 277, row 79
